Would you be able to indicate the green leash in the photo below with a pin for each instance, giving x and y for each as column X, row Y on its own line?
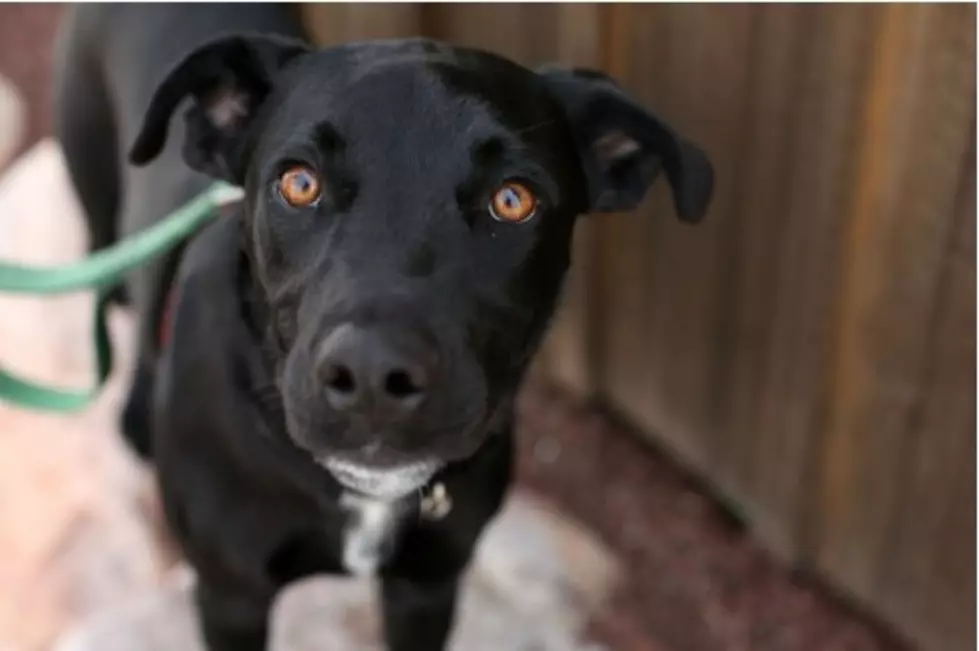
column 101, row 271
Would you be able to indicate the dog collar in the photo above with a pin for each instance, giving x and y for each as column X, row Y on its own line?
column 435, row 503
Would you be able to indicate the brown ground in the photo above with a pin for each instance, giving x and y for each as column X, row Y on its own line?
column 697, row 582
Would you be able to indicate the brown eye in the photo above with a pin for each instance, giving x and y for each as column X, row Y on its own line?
column 299, row 186
column 513, row 202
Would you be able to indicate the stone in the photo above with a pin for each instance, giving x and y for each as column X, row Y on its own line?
column 536, row 580
column 73, row 536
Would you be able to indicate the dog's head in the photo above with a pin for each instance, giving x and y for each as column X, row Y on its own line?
column 410, row 208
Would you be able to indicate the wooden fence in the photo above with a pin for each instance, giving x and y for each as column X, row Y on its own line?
column 810, row 349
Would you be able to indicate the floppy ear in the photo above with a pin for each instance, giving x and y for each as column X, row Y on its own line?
column 227, row 80
column 622, row 146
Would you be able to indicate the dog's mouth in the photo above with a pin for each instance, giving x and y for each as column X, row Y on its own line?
column 383, row 483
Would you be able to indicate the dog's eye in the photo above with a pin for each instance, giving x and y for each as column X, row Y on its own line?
column 299, row 186
column 513, row 202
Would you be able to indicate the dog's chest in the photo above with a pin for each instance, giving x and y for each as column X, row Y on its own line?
column 372, row 526
column 370, row 532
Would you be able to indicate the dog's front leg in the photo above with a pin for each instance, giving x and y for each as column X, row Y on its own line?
column 418, row 615
column 232, row 620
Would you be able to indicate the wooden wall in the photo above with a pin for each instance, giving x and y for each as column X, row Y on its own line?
column 810, row 349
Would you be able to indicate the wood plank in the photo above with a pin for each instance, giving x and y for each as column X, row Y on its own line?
column 334, row 23
column 687, row 65
column 526, row 33
column 803, row 282
column 752, row 235
column 918, row 121
column 710, row 99
column 624, row 350
column 926, row 578
column 569, row 347
column 948, row 619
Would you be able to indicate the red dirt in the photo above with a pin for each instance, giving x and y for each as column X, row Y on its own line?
column 696, row 581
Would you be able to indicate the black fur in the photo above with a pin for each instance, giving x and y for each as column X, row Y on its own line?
column 410, row 139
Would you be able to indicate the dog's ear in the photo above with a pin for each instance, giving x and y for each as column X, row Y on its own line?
column 623, row 147
column 226, row 80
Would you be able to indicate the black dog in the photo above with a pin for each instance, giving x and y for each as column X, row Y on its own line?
column 336, row 394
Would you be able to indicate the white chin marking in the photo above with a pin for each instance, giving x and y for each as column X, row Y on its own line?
column 382, row 483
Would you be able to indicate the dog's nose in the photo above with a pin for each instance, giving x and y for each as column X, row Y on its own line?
column 377, row 374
